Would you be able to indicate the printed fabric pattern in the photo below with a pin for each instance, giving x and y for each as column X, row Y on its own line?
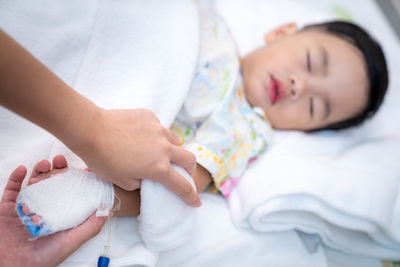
column 216, row 122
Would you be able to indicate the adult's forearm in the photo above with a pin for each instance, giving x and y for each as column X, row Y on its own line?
column 30, row 89
column 122, row 146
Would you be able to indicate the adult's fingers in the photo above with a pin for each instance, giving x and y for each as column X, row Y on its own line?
column 172, row 137
column 180, row 186
column 42, row 166
column 184, row 159
column 14, row 184
column 79, row 235
column 59, row 162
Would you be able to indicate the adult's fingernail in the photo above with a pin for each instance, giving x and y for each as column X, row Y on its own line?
column 198, row 202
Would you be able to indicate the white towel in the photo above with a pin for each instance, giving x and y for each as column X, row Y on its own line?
column 166, row 221
column 355, row 210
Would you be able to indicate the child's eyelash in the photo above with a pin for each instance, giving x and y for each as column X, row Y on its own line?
column 311, row 107
column 308, row 61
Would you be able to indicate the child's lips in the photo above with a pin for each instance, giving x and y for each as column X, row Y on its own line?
column 276, row 90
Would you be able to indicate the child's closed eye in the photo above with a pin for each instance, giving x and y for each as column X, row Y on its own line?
column 311, row 107
column 308, row 61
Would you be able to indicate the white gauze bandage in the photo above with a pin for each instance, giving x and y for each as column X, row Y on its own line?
column 65, row 200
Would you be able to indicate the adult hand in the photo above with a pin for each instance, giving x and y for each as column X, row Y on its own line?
column 15, row 248
column 130, row 145
column 122, row 146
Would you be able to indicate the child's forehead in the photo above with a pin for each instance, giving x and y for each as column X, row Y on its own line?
column 331, row 41
column 317, row 34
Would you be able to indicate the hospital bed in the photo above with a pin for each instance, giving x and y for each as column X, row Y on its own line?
column 82, row 33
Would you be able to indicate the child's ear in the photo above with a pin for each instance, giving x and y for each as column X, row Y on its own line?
column 279, row 32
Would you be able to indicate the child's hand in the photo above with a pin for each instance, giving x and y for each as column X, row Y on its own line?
column 43, row 170
column 15, row 247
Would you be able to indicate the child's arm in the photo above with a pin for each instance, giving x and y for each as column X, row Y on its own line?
column 202, row 178
column 130, row 200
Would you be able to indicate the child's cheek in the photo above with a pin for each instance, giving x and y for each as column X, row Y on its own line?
column 257, row 96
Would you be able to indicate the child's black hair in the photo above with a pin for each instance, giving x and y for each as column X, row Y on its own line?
column 375, row 64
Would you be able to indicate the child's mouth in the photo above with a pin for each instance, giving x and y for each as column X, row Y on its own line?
column 276, row 90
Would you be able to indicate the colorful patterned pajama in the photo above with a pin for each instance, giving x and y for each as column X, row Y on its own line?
column 216, row 122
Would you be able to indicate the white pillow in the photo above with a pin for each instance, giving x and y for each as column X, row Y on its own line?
column 375, row 145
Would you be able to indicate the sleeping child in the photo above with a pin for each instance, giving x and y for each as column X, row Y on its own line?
column 325, row 76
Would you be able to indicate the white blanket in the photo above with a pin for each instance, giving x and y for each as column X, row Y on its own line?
column 120, row 55
column 344, row 185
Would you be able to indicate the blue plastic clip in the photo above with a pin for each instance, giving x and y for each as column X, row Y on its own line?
column 103, row 261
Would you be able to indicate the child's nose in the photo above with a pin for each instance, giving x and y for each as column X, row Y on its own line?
column 297, row 87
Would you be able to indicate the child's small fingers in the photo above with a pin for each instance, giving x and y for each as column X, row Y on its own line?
column 37, row 179
column 35, row 219
column 25, row 210
column 43, row 176
column 59, row 162
column 55, row 171
column 43, row 166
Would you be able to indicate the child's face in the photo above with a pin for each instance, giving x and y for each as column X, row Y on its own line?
column 306, row 80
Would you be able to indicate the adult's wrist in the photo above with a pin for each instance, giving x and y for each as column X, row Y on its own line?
column 83, row 136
